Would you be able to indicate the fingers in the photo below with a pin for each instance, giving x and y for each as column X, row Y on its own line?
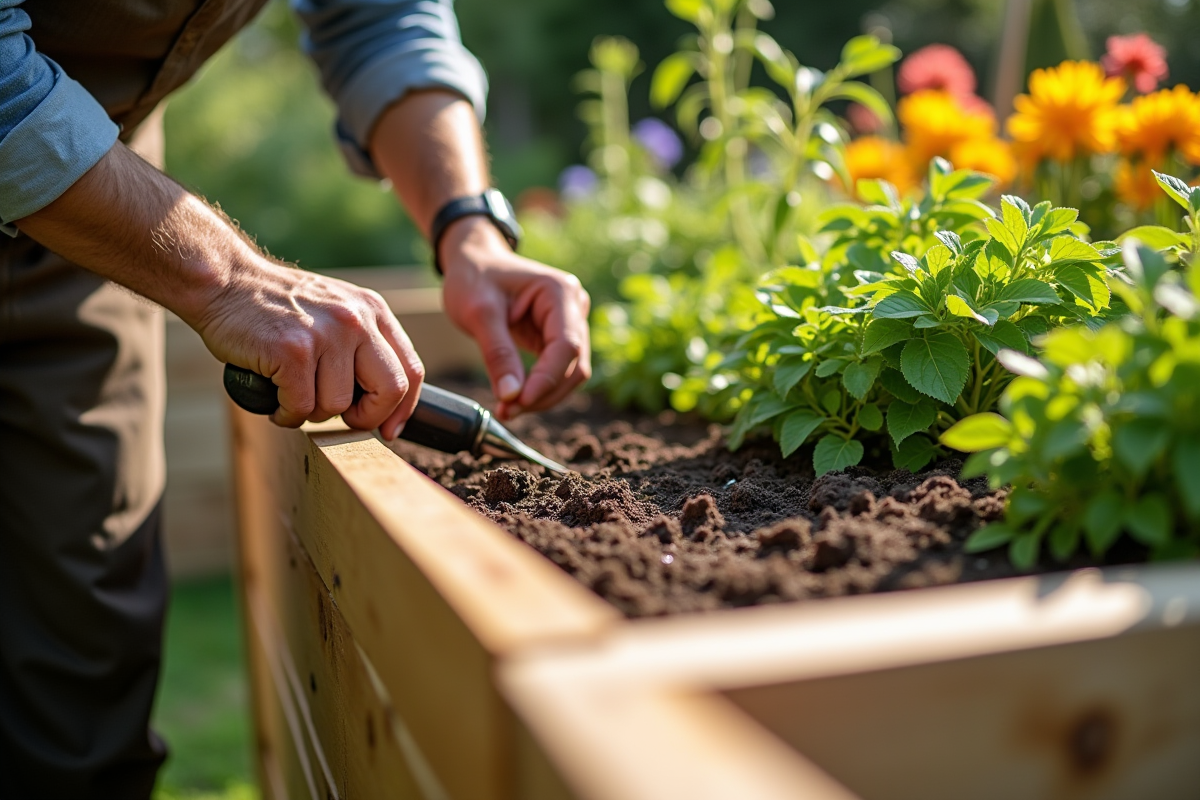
column 414, row 371
column 489, row 327
column 564, row 363
column 390, row 373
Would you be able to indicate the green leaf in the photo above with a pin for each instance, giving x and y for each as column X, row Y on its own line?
column 913, row 453
column 979, row 432
column 1004, row 335
column 937, row 258
column 1015, row 213
column 1056, row 221
column 870, row 417
column 829, row 367
column 1064, row 540
column 1102, row 521
column 1156, row 236
column 1003, row 235
column 878, row 192
column 765, row 407
column 833, row 453
column 1149, row 520
column 905, row 419
column 865, row 96
column 937, row 366
column 1029, row 290
column 686, row 9
column 831, row 401
column 894, row 382
column 1066, row 249
column 910, row 264
column 1023, row 551
column 1186, row 466
column 883, row 333
column 674, row 72
column 789, row 372
column 797, row 427
column 866, row 54
column 1138, row 443
column 901, row 305
column 1176, row 189
column 989, row 537
column 859, row 377
column 1076, row 281
column 961, row 308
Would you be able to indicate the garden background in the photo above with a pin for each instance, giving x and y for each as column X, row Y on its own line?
column 253, row 134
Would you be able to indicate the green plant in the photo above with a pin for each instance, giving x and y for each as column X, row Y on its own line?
column 1183, row 246
column 911, row 347
column 1100, row 436
column 731, row 117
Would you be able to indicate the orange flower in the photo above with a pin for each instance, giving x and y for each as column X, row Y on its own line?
column 992, row 156
column 935, row 122
column 880, row 159
column 1153, row 124
column 1135, row 185
column 1071, row 110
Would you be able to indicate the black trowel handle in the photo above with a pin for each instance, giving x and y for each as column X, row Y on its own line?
column 442, row 420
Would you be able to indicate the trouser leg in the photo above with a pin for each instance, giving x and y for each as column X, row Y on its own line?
column 82, row 583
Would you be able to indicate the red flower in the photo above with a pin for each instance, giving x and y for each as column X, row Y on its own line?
column 938, row 66
column 1137, row 58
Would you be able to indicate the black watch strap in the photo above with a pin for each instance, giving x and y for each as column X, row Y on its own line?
column 491, row 204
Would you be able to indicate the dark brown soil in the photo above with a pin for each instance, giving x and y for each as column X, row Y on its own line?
column 661, row 518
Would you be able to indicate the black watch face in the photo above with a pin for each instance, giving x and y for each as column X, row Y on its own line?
column 502, row 212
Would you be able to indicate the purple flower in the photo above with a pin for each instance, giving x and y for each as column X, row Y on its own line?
column 662, row 143
column 577, row 182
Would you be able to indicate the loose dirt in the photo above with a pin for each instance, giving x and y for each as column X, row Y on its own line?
column 661, row 518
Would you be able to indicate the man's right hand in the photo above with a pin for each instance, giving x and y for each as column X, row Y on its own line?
column 309, row 334
column 313, row 336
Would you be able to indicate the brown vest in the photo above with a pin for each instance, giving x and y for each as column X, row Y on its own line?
column 130, row 54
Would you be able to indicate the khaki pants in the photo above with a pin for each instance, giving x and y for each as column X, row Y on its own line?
column 82, row 583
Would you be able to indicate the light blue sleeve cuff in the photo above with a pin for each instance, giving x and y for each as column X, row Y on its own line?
column 417, row 64
column 64, row 137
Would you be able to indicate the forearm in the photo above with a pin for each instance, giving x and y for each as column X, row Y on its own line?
column 127, row 221
column 430, row 146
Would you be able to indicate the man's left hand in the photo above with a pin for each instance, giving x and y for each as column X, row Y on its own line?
column 508, row 302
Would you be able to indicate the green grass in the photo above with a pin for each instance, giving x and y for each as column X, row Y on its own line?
column 203, row 707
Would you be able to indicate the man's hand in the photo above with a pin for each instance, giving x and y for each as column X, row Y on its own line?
column 505, row 301
column 310, row 334
column 313, row 336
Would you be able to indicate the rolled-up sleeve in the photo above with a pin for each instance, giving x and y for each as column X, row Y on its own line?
column 52, row 130
column 372, row 52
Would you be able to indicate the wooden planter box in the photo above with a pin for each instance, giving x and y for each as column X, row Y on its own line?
column 403, row 646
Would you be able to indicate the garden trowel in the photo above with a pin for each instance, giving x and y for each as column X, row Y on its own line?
column 442, row 420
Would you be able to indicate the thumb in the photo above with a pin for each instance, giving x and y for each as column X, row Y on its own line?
column 500, row 356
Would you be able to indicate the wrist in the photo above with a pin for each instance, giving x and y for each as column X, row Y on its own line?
column 470, row 241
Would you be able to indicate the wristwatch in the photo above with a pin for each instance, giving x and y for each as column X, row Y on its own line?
column 491, row 204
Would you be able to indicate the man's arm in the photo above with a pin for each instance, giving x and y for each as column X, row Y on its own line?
column 429, row 144
column 311, row 335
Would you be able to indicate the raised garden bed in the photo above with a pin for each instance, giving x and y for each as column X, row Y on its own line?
column 402, row 645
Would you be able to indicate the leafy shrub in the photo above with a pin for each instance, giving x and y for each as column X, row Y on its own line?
column 867, row 340
column 1100, row 436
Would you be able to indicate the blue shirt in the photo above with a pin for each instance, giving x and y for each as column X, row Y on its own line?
column 370, row 53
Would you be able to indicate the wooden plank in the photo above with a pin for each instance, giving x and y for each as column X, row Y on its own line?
column 431, row 592
column 633, row 740
column 1106, row 719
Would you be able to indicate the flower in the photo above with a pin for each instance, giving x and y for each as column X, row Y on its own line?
column 935, row 122
column 1135, row 185
column 577, row 182
column 1070, row 110
column 992, row 156
column 938, row 66
column 881, row 159
column 863, row 120
column 1137, row 58
column 662, row 143
column 1156, row 123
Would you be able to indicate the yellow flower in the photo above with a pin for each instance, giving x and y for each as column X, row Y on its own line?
column 935, row 122
column 1153, row 124
column 1135, row 185
column 1071, row 110
column 873, row 157
column 992, row 156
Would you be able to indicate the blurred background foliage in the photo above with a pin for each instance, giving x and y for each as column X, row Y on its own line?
column 253, row 132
